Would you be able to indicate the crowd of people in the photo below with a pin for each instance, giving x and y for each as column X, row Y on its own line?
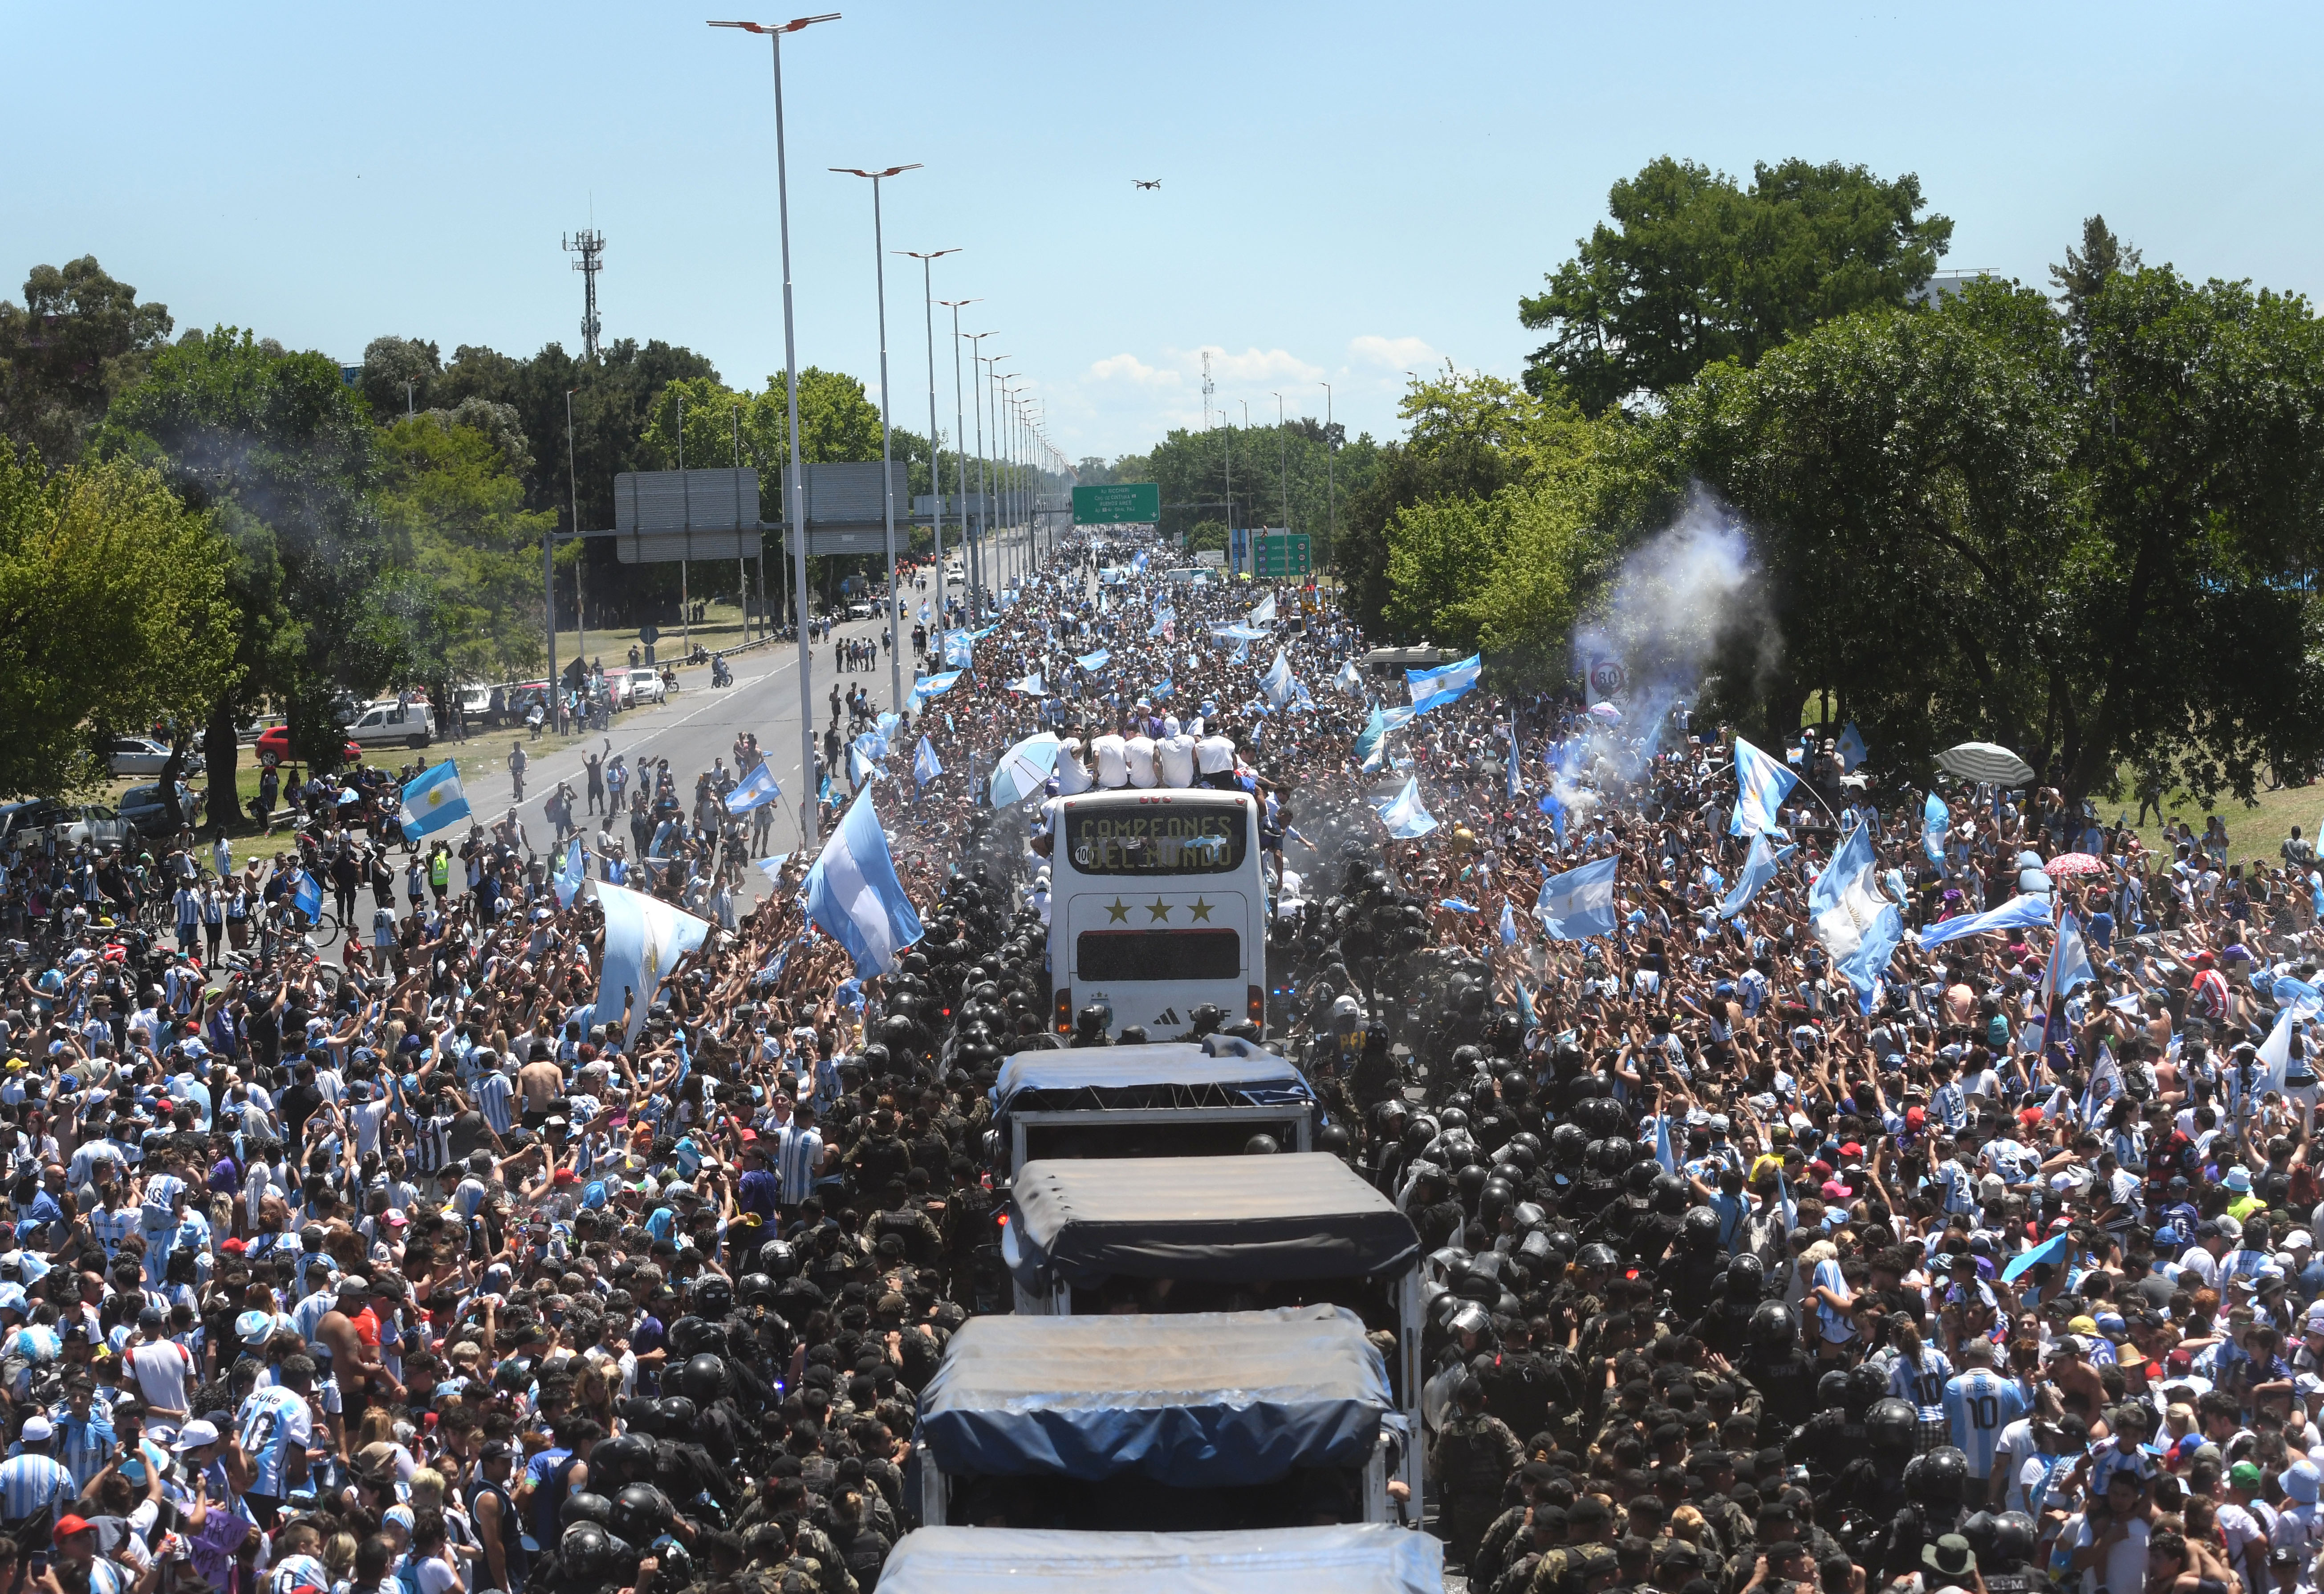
column 417, row 1265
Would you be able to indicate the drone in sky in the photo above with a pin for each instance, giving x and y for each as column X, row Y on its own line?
column 1142, row 183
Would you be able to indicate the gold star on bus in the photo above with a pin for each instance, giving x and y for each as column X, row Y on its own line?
column 1201, row 909
column 1118, row 912
column 1157, row 908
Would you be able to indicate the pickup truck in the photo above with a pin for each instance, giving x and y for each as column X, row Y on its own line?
column 391, row 724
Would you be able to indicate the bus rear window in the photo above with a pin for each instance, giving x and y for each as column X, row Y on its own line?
column 1157, row 840
column 1158, row 954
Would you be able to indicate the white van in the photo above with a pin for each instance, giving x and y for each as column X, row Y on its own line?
column 388, row 724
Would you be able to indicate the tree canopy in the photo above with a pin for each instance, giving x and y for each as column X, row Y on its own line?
column 1696, row 268
column 80, row 337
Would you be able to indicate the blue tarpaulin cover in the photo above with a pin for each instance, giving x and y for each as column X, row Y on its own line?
column 1231, row 1220
column 1211, row 1399
column 1363, row 1558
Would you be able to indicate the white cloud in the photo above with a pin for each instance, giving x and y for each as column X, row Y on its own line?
column 1253, row 365
column 1398, row 354
column 1130, row 368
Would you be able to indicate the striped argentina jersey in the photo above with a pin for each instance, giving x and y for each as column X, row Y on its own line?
column 275, row 1422
column 1980, row 1404
column 30, row 1484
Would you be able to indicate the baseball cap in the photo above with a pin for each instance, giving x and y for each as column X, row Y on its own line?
column 69, row 1524
column 37, row 1429
column 197, row 1433
column 2244, row 1475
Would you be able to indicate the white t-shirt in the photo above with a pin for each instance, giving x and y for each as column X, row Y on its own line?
column 1214, row 755
column 1173, row 760
column 1138, row 752
column 1112, row 765
column 1072, row 775
column 162, row 1369
column 2125, row 1566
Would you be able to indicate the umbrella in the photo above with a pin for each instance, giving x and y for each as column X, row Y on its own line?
column 1984, row 761
column 2068, row 864
column 1607, row 712
column 1024, row 769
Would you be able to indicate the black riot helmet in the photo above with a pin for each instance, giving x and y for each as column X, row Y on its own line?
column 1699, row 1230
column 1747, row 1277
column 1568, row 1143
column 1895, row 1426
column 1942, row 1472
column 676, row 1569
column 626, row 1458
column 677, row 1415
column 1831, row 1389
column 2013, row 1540
column 776, row 1260
column 704, row 1378
column 641, row 1511
column 711, row 1296
column 1261, row 1145
column 754, row 1288
column 687, row 1336
column 585, row 1554
column 1865, row 1386
column 1667, row 1195
column 1639, row 1177
column 1471, row 1183
column 1598, row 1257
column 1773, row 1331
column 582, row 1505
column 1332, row 1142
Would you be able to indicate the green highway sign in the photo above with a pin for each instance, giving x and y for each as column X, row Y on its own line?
column 1280, row 556
column 1123, row 503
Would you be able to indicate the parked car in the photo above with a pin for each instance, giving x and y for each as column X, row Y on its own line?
column 142, row 755
column 862, row 611
column 642, row 684
column 274, row 747
column 37, row 823
column 389, row 723
column 142, row 809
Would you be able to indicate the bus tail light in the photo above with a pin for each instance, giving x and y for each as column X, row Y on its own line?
column 1065, row 1009
column 1256, row 1001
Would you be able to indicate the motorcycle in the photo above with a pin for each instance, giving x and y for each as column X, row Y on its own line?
column 720, row 674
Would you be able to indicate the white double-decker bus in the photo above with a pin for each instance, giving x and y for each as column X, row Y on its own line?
column 1156, row 906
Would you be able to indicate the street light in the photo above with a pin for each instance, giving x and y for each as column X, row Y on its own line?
column 960, row 458
column 795, row 493
column 977, row 550
column 886, row 469
column 1331, row 517
column 935, row 477
column 1284, row 442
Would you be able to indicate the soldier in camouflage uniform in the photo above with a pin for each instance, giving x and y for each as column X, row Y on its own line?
column 1473, row 1456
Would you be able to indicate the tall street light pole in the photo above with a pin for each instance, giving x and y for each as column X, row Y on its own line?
column 1283, row 442
column 794, row 487
column 886, row 469
column 960, row 458
column 935, row 454
column 1331, row 516
column 984, row 480
column 998, row 552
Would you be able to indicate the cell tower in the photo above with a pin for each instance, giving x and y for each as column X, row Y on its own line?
column 590, row 246
column 1208, row 389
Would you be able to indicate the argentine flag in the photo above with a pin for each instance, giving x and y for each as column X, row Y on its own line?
column 1850, row 747
column 772, row 868
column 1276, row 682
column 929, row 686
column 925, row 767
column 570, row 878
column 1936, row 823
column 1858, row 927
column 755, row 789
column 1761, row 784
column 644, row 938
column 1758, row 869
column 2069, row 965
column 308, row 898
column 1031, row 684
column 434, row 801
column 1434, row 689
column 853, row 894
column 1096, row 661
column 1265, row 614
column 1403, row 815
column 1580, row 903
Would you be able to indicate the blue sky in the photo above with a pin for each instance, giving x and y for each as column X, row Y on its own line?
column 1350, row 191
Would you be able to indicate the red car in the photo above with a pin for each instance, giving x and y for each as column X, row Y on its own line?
column 274, row 747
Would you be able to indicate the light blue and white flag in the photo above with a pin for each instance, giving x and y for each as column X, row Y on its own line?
column 1161, row 690
column 1662, row 1152
column 1516, row 784
column 1761, row 784
column 853, row 894
column 434, row 801
column 755, row 789
column 2275, row 1051
column 924, row 765
column 2069, row 965
column 929, row 686
column 1238, row 633
column 1759, row 867
column 1165, row 617
column 570, row 878
column 1372, row 743
column 1936, row 823
column 1096, row 661
column 1458, row 905
column 1580, row 903
column 2055, row 1250
column 1551, row 806
column 1241, row 653
column 1031, row 684
column 1508, row 924
column 2019, row 913
column 1434, row 689
column 644, row 938
column 1850, row 747
column 307, row 896
column 959, row 646
column 872, row 745
column 861, row 768
column 1138, row 562
column 1276, row 682
column 1265, row 614
column 1859, row 927
column 772, row 868
column 1350, row 680
column 1403, row 815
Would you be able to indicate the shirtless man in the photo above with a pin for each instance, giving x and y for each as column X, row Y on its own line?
column 540, row 1081
column 354, row 1362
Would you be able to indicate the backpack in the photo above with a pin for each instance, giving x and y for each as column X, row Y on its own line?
column 407, row 1576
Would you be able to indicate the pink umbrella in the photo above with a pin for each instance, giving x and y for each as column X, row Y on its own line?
column 2066, row 864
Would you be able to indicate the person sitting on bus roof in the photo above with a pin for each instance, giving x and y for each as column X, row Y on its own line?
column 1072, row 775
column 1111, row 758
column 1138, row 752
column 1174, row 755
column 1215, row 757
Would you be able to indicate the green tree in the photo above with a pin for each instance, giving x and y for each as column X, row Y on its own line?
column 466, row 582
column 399, row 376
column 1695, row 268
column 114, row 615
column 281, row 450
column 78, row 339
